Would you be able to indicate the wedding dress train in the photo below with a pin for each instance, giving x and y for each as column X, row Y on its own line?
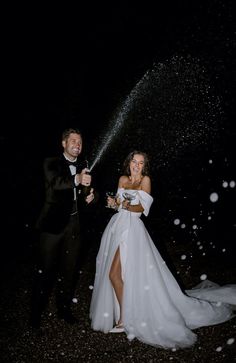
column 155, row 309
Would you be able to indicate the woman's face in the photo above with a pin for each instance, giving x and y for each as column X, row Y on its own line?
column 137, row 165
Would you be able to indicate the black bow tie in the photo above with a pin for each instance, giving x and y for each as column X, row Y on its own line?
column 74, row 163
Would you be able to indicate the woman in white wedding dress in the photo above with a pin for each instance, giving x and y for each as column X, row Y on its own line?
column 134, row 289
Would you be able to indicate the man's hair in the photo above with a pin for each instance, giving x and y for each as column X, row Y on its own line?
column 66, row 133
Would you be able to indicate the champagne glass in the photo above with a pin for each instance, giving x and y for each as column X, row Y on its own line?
column 112, row 195
column 128, row 197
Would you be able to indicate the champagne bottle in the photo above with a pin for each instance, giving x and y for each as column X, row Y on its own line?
column 86, row 189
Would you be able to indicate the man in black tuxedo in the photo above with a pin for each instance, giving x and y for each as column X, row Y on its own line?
column 59, row 228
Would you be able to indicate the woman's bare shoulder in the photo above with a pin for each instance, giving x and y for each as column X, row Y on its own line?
column 146, row 184
column 123, row 180
column 146, row 179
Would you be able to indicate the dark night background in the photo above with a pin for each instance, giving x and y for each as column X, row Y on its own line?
column 76, row 67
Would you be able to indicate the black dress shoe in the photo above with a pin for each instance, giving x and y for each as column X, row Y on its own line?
column 68, row 317
column 35, row 322
column 38, row 332
column 36, row 329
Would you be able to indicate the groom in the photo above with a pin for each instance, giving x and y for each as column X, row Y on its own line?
column 60, row 241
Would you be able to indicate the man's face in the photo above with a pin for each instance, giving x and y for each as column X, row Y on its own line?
column 73, row 145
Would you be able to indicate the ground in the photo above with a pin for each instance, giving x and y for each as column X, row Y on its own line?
column 79, row 343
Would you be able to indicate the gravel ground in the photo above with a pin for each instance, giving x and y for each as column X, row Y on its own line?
column 64, row 343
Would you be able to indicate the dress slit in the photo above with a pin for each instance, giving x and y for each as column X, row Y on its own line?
column 116, row 303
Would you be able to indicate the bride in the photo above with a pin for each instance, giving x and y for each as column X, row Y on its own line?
column 134, row 291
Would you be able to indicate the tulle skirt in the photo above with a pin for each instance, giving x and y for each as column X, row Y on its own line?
column 155, row 309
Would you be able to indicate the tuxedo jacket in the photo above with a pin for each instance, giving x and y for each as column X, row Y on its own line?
column 59, row 195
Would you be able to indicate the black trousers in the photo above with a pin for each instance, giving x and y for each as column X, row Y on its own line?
column 57, row 264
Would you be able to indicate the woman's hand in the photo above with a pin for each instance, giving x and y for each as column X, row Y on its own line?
column 126, row 204
column 111, row 202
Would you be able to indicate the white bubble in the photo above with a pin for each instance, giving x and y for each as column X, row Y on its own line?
column 106, row 315
column 203, row 277
column 183, row 257
column 209, row 218
column 147, row 287
column 210, row 161
column 225, row 184
column 183, row 225
column 40, row 271
column 90, row 287
column 214, row 197
column 74, row 300
column 177, row 221
column 143, row 324
column 219, row 349
column 223, row 250
column 230, row 341
column 232, row 184
column 194, row 226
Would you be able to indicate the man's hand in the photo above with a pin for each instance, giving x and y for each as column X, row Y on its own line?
column 90, row 196
column 84, row 178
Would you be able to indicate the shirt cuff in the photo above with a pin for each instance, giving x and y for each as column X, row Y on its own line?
column 75, row 181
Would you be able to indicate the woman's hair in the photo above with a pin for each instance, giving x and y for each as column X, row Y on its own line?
column 126, row 164
column 66, row 133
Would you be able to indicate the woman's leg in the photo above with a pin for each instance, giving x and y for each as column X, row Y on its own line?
column 116, row 280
